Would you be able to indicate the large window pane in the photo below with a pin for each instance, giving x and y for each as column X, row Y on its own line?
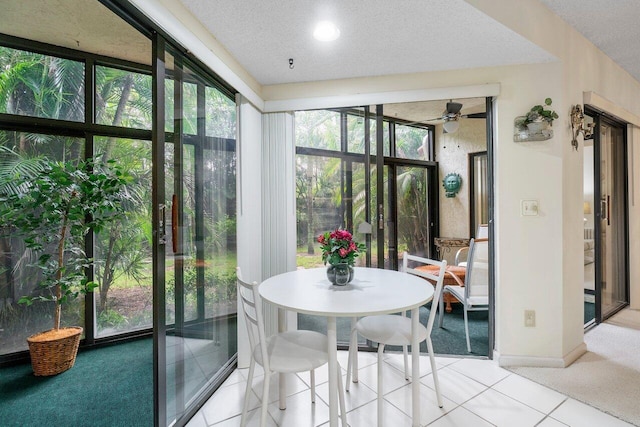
column 18, row 274
column 221, row 114
column 318, row 129
column 123, row 270
column 412, row 142
column 318, row 204
column 41, row 86
column 123, row 98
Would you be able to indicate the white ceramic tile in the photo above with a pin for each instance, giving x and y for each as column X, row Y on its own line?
column 197, row 420
column 460, row 417
column 365, row 358
column 429, row 410
column 322, row 375
column 293, row 383
column 550, row 422
column 396, row 360
column 358, row 394
column 235, row 377
column 502, row 410
column 575, row 413
column 300, row 412
column 392, row 379
column 253, row 420
column 446, row 360
column 367, row 416
column 530, row 393
column 485, row 371
column 454, row 385
column 227, row 403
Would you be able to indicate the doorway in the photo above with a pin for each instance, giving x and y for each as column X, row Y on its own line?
column 606, row 224
column 377, row 171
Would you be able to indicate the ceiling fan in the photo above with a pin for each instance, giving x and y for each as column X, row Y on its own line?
column 451, row 116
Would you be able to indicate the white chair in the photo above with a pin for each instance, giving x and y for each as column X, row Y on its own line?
column 481, row 233
column 285, row 352
column 396, row 330
column 474, row 295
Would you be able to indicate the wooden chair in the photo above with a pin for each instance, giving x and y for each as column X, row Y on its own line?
column 285, row 352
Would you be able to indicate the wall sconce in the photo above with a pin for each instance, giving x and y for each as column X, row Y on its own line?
column 578, row 125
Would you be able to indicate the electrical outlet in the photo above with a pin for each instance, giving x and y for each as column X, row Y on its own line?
column 530, row 318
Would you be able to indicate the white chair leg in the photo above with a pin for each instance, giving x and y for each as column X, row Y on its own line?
column 343, row 410
column 405, row 353
column 312, row 374
column 434, row 371
column 440, row 310
column 245, row 406
column 265, row 398
column 466, row 328
column 352, row 359
column 380, row 392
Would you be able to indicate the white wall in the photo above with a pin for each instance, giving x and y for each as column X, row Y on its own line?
column 249, row 207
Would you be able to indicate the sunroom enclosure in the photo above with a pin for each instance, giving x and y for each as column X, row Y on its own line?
column 168, row 269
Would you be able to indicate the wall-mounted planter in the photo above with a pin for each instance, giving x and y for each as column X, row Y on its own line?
column 540, row 131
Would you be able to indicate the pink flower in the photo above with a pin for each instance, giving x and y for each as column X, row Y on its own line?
column 321, row 239
column 343, row 252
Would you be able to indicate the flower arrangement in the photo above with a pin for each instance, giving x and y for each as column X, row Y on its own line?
column 338, row 247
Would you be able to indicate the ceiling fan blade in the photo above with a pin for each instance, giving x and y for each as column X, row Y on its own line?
column 453, row 108
column 475, row 116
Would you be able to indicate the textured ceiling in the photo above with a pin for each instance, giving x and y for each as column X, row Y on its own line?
column 76, row 24
column 378, row 37
column 611, row 25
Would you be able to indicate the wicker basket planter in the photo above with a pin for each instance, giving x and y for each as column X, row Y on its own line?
column 54, row 351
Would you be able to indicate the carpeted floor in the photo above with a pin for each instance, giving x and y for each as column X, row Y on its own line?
column 111, row 386
column 589, row 311
column 448, row 340
column 608, row 375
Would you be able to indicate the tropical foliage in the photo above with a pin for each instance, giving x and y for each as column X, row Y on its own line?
column 52, row 206
column 37, row 85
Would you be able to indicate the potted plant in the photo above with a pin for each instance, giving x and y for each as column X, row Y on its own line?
column 52, row 206
column 340, row 251
column 540, row 117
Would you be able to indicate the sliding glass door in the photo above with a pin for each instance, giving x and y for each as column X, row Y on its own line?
column 195, row 237
column 611, row 223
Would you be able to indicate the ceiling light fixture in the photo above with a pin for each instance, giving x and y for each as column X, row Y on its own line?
column 326, row 31
column 451, row 126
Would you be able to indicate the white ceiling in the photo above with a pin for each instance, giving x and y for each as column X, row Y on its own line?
column 378, row 37
column 611, row 25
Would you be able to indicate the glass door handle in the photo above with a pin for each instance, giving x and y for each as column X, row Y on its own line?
column 162, row 234
column 605, row 203
column 174, row 223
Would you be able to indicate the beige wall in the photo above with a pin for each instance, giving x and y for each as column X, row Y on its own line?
column 452, row 152
column 539, row 260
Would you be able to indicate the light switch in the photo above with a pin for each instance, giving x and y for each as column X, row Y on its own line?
column 529, row 207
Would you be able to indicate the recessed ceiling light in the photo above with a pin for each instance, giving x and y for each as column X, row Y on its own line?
column 326, row 31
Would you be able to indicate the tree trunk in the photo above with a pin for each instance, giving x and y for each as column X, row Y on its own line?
column 310, row 236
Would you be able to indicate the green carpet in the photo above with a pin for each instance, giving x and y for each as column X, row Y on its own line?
column 589, row 311
column 111, row 386
column 448, row 340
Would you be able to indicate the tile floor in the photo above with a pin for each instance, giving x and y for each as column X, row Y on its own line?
column 475, row 393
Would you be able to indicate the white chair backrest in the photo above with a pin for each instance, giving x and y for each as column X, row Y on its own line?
column 437, row 279
column 252, row 310
column 476, row 281
column 482, row 232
